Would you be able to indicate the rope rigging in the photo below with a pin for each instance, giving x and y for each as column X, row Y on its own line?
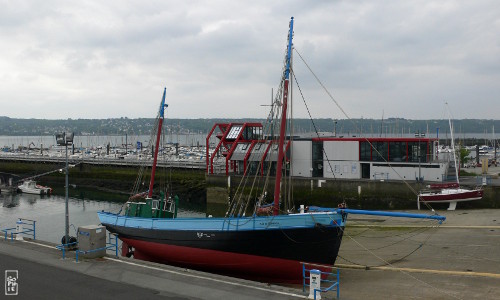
column 385, row 263
column 357, row 129
column 239, row 205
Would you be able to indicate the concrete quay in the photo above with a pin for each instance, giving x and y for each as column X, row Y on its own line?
column 398, row 258
column 172, row 163
column 380, row 258
column 43, row 274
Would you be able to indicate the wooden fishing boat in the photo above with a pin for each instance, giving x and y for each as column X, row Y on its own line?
column 269, row 247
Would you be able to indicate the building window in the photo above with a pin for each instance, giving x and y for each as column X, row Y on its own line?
column 241, row 169
column 365, row 151
column 417, row 151
column 317, row 159
column 397, row 151
column 379, row 152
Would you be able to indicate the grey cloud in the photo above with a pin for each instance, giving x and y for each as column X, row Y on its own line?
column 400, row 56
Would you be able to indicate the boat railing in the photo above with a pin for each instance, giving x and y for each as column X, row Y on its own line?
column 330, row 278
column 20, row 230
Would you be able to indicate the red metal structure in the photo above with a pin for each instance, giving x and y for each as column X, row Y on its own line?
column 230, row 135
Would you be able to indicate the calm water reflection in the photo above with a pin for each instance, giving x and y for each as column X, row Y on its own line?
column 49, row 212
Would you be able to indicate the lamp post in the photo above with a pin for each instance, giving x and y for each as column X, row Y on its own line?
column 63, row 139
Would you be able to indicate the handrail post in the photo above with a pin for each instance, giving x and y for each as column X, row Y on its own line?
column 338, row 283
column 303, row 277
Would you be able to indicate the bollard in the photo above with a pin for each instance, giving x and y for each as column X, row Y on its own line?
column 19, row 230
column 302, row 208
column 314, row 284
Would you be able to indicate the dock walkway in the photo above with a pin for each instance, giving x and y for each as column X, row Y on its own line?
column 43, row 274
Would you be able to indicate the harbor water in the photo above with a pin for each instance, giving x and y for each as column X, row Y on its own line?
column 49, row 213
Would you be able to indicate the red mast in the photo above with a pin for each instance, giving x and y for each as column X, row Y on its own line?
column 279, row 163
column 158, row 135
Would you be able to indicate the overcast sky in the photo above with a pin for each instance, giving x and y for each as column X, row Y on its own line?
column 107, row 59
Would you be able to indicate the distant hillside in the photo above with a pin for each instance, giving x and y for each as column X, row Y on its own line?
column 390, row 126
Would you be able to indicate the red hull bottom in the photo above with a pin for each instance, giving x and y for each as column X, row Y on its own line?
column 266, row 269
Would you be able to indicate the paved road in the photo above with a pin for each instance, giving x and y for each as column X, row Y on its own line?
column 39, row 281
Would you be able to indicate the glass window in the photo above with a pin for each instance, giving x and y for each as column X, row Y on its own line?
column 364, row 151
column 417, row 151
column 379, row 152
column 423, row 152
column 397, row 151
column 317, row 159
column 155, row 204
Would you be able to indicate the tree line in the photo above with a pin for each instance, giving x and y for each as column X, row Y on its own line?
column 341, row 127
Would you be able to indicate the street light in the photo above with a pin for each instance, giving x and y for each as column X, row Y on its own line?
column 63, row 139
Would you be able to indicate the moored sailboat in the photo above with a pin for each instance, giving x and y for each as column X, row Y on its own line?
column 449, row 192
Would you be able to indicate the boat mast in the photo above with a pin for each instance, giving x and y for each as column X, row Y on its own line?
column 453, row 145
column 279, row 163
column 158, row 135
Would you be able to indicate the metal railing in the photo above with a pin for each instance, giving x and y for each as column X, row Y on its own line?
column 111, row 245
column 180, row 164
column 27, row 231
column 331, row 278
column 64, row 247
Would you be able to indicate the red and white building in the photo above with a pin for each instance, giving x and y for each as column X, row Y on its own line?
column 241, row 147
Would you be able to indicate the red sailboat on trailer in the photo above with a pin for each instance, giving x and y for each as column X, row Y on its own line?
column 449, row 192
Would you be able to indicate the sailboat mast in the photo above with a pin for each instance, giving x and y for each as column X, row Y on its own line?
column 453, row 147
column 158, row 135
column 279, row 163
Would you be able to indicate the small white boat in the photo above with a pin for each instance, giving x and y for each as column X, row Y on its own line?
column 30, row 187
